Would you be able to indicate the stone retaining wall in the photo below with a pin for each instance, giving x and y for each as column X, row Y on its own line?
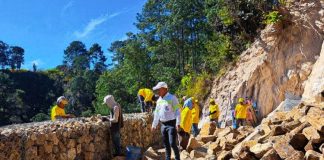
column 78, row 138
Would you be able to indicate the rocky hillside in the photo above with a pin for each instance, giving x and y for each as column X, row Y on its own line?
column 294, row 135
column 283, row 71
column 276, row 66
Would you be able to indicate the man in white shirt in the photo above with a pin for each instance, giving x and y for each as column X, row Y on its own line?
column 167, row 112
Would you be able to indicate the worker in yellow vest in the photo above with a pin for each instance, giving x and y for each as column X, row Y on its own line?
column 145, row 97
column 195, row 118
column 241, row 112
column 58, row 112
column 213, row 111
column 185, row 123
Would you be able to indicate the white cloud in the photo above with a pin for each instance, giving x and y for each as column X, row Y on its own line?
column 94, row 23
column 125, row 37
column 38, row 62
column 29, row 65
column 67, row 6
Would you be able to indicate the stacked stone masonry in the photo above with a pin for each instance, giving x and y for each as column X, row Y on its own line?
column 78, row 138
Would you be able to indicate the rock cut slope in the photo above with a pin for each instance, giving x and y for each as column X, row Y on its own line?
column 277, row 65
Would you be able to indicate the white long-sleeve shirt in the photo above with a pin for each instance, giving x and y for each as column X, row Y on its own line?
column 167, row 108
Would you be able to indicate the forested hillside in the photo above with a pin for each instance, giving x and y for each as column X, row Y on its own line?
column 182, row 42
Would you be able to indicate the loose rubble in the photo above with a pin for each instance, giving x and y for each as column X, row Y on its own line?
column 271, row 140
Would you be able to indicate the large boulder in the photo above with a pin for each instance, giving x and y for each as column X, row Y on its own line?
column 150, row 154
column 314, row 86
column 271, row 155
column 283, row 148
column 312, row 134
column 260, row 149
column 198, row 153
column 313, row 155
column 192, row 144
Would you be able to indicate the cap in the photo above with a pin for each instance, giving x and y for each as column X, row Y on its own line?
column 105, row 100
column 160, row 85
column 62, row 99
column 241, row 100
column 211, row 100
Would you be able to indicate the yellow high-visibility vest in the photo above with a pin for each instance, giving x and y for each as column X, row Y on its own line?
column 241, row 111
column 146, row 93
column 186, row 119
column 213, row 108
column 57, row 111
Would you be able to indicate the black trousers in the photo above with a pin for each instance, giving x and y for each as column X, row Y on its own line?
column 169, row 136
column 240, row 122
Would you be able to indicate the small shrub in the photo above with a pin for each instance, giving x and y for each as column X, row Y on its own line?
column 87, row 113
column 102, row 109
column 195, row 85
column 272, row 17
column 40, row 117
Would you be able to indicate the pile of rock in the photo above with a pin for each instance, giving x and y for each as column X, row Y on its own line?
column 297, row 134
column 209, row 144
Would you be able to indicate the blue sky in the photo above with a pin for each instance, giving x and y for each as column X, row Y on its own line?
column 44, row 28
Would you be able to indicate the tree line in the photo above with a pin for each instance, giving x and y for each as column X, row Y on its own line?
column 11, row 56
column 28, row 96
column 182, row 42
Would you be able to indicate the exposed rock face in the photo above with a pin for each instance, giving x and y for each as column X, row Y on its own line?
column 277, row 64
column 314, row 88
column 80, row 138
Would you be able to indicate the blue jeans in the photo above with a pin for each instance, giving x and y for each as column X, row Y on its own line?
column 169, row 136
column 115, row 135
column 195, row 129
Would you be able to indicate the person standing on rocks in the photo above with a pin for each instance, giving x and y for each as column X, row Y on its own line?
column 116, row 120
column 195, row 117
column 183, row 99
column 213, row 112
column 241, row 112
column 58, row 112
column 185, row 123
column 167, row 112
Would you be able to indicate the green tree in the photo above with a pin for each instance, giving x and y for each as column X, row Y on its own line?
column 11, row 103
column 98, row 58
column 80, row 92
column 16, row 57
column 76, row 57
column 118, row 56
column 115, row 82
column 40, row 117
column 3, row 54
